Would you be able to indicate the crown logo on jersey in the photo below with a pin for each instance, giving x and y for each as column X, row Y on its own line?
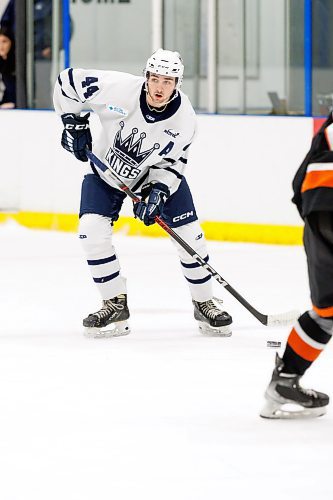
column 129, row 149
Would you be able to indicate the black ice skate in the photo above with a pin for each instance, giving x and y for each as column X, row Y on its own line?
column 212, row 320
column 285, row 398
column 110, row 320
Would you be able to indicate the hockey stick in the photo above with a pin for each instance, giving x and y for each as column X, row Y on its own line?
column 113, row 179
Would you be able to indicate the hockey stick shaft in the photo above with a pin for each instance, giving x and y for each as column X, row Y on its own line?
column 112, row 178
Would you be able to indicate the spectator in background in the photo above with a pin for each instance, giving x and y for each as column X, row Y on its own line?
column 42, row 16
column 43, row 29
column 42, row 26
column 7, row 70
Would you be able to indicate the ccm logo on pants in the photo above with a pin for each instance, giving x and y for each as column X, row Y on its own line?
column 182, row 216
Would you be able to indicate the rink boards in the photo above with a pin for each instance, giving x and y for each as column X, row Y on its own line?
column 240, row 171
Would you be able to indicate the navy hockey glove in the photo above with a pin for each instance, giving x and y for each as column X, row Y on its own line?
column 76, row 135
column 147, row 211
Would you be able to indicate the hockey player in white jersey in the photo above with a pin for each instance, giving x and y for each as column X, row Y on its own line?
column 148, row 125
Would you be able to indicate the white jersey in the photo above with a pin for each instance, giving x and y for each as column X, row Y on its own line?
column 140, row 143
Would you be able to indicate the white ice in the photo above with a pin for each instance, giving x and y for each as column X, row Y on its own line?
column 164, row 413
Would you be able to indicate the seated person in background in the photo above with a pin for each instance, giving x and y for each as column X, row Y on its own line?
column 42, row 16
column 7, row 70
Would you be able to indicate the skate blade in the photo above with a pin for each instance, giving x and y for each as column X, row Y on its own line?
column 114, row 330
column 219, row 331
column 288, row 411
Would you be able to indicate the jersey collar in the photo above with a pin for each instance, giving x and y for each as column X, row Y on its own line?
column 154, row 116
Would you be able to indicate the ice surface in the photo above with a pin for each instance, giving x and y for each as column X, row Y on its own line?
column 164, row 413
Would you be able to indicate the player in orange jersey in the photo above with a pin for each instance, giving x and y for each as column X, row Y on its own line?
column 313, row 196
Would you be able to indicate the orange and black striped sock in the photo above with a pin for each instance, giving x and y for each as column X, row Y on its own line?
column 305, row 342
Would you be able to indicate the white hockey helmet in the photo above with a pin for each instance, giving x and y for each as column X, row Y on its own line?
column 166, row 63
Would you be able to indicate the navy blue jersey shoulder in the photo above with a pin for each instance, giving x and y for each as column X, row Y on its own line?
column 152, row 116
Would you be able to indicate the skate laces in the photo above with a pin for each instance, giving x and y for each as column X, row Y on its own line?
column 209, row 309
column 311, row 393
column 109, row 306
column 307, row 392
